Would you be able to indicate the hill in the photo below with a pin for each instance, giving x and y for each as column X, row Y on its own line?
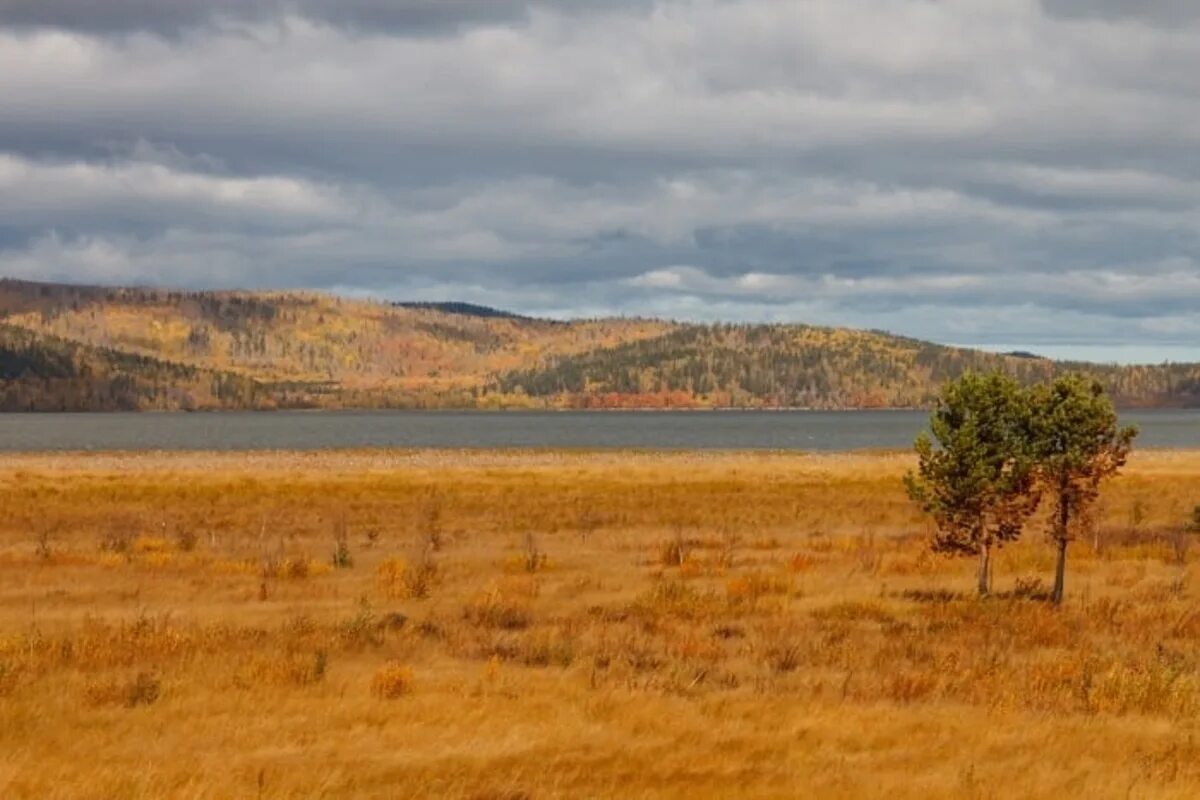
column 44, row 373
column 85, row 347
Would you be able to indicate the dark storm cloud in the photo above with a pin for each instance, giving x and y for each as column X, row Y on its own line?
column 173, row 17
column 1164, row 12
column 1011, row 171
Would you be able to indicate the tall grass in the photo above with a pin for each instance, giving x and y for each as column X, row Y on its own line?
column 749, row 625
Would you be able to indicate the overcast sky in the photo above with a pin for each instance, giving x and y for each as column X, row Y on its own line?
column 1001, row 173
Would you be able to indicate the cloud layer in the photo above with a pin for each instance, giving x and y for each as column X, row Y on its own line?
column 989, row 172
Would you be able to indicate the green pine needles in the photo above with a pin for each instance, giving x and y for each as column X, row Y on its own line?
column 996, row 450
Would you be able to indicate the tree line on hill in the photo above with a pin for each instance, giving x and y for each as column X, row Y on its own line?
column 112, row 348
column 40, row 373
column 799, row 366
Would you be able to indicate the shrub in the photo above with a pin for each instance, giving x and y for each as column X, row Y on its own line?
column 9, row 674
column 341, row 545
column 150, row 544
column 493, row 609
column 362, row 629
column 534, row 558
column 142, row 690
column 392, row 680
column 43, row 545
column 283, row 669
column 674, row 552
column 116, row 541
column 749, row 588
column 397, row 579
column 185, row 540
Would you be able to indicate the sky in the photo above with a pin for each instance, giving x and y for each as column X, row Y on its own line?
column 1007, row 174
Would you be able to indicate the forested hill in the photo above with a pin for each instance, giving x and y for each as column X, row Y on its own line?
column 74, row 347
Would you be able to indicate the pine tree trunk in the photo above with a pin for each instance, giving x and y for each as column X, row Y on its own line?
column 985, row 571
column 1060, row 573
column 1062, row 526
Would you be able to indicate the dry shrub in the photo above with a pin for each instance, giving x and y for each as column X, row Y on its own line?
column 802, row 562
column 233, row 566
column 765, row 543
column 361, row 630
column 533, row 559
column 142, row 689
column 116, row 541
column 1030, row 588
column 909, row 686
column 932, row 595
column 282, row 669
column 674, row 551
column 693, row 645
column 156, row 559
column 783, row 656
column 547, row 648
column 920, row 563
column 676, row 599
column 1125, row 576
column 1061, row 684
column 341, row 558
column 397, row 579
column 392, row 680
column 10, row 675
column 748, row 589
column 150, row 544
column 495, row 608
column 185, row 540
column 1144, row 689
column 1162, row 590
column 855, row 611
column 297, row 569
column 691, row 568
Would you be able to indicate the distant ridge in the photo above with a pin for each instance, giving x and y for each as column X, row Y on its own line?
column 466, row 309
column 65, row 347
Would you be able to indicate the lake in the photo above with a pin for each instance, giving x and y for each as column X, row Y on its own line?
column 310, row 430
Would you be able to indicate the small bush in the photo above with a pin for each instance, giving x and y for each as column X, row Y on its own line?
column 853, row 611
column 143, row 545
column 392, row 680
column 1030, row 589
column 142, row 690
column 534, row 558
column 186, row 540
column 397, row 579
column 802, row 562
column 44, row 551
column 674, row 552
column 9, row 674
column 116, row 541
column 361, row 630
column 748, row 589
column 341, row 545
column 283, row 669
column 494, row 609
column 783, row 657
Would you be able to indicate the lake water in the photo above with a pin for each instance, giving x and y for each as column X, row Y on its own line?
column 310, row 430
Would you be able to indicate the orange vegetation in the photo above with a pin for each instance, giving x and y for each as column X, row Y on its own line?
column 549, row 624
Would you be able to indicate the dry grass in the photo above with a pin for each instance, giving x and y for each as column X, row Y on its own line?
column 561, row 625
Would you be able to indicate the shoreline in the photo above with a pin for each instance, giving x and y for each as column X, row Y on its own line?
column 390, row 459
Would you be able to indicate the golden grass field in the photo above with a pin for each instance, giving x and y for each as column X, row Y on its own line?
column 547, row 624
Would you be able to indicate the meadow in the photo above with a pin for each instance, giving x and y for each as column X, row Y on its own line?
column 548, row 624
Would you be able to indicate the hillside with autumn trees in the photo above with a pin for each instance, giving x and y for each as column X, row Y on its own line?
column 66, row 347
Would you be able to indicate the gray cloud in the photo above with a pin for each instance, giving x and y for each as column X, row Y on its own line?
column 999, row 171
column 175, row 17
column 1163, row 12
